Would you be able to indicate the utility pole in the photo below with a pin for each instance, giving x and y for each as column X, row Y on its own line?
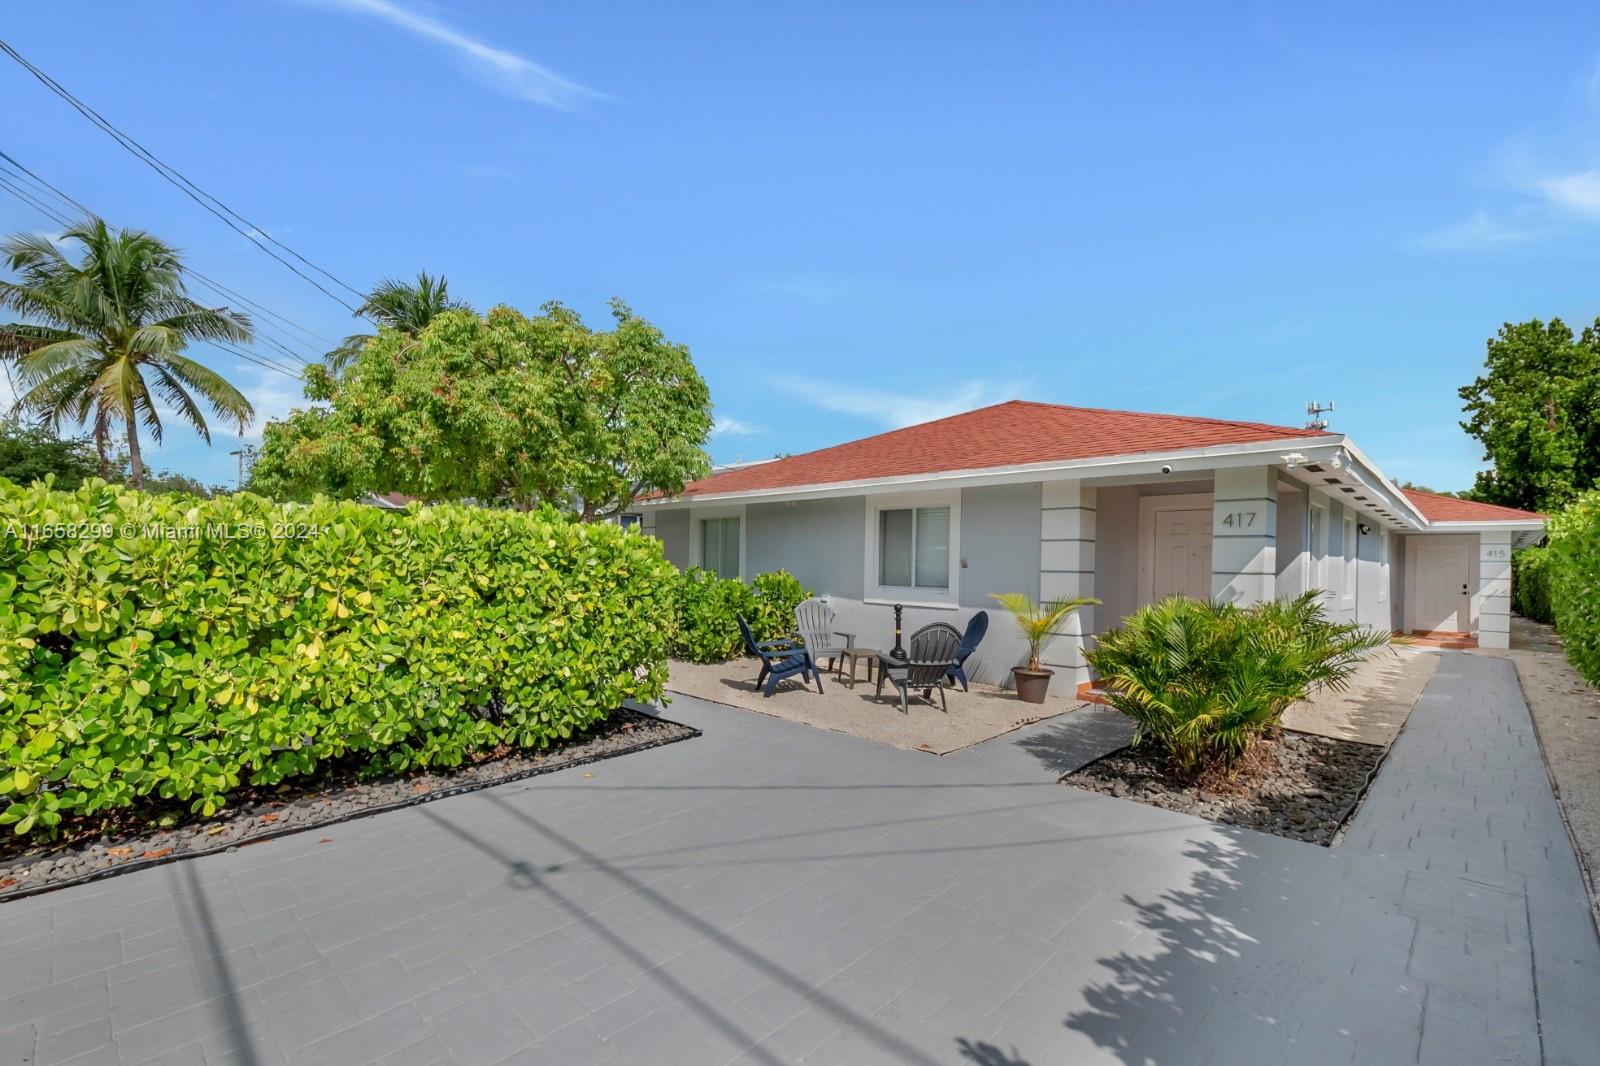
column 244, row 451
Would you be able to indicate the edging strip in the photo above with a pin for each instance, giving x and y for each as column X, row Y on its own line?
column 276, row 832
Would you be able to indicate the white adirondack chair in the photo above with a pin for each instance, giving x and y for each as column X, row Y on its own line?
column 813, row 619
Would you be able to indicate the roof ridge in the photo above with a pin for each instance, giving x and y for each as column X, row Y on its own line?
column 1182, row 418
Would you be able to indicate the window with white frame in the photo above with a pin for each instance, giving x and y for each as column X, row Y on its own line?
column 1317, row 543
column 1349, row 546
column 914, row 548
column 1383, row 565
column 719, row 546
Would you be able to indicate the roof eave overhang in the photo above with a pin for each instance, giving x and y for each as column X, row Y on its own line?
column 1181, row 461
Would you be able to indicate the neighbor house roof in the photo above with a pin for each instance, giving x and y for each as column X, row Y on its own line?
column 1437, row 508
column 1014, row 433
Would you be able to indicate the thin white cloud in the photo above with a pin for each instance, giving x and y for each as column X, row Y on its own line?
column 509, row 72
column 894, row 407
column 1542, row 183
column 1577, row 193
column 725, row 426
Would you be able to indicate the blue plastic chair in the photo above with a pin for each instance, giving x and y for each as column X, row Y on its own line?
column 779, row 659
column 977, row 628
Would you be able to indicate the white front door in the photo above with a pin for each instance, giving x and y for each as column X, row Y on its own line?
column 1181, row 562
column 1443, row 602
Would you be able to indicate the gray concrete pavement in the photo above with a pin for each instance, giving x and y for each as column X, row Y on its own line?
column 771, row 893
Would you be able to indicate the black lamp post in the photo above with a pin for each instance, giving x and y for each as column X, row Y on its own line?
column 897, row 652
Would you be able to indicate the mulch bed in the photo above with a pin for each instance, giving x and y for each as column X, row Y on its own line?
column 137, row 837
column 1299, row 785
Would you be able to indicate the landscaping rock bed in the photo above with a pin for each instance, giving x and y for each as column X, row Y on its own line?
column 1311, row 787
column 147, row 837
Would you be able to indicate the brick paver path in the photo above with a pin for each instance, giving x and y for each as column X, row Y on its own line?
column 771, row 893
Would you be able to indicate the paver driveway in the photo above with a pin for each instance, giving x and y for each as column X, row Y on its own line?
column 771, row 893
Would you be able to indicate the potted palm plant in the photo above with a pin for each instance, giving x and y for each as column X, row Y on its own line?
column 1038, row 623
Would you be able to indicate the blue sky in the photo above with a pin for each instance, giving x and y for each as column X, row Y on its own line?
column 864, row 215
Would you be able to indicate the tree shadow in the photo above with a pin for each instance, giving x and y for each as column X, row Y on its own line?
column 1073, row 741
column 1149, row 1010
column 985, row 1054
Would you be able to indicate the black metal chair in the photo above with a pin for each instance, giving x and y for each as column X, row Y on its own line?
column 977, row 628
column 779, row 659
column 930, row 654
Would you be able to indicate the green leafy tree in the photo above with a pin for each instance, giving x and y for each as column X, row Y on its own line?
column 399, row 305
column 1437, row 492
column 30, row 453
column 1536, row 410
column 503, row 409
column 106, row 335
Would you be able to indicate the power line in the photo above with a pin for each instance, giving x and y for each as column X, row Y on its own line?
column 7, row 186
column 37, row 180
column 225, row 293
column 235, row 221
column 258, row 359
column 22, row 194
column 43, row 207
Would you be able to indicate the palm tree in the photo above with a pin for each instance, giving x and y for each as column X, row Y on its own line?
column 104, row 330
column 399, row 305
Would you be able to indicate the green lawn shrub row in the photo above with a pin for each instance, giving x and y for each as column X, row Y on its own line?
column 1530, row 584
column 1574, row 565
column 706, row 629
column 171, row 647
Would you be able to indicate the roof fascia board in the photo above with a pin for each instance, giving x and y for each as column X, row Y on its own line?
column 1188, row 460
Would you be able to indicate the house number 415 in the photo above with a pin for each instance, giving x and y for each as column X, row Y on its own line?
column 1240, row 519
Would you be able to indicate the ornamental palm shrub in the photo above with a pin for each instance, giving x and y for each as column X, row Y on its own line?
column 705, row 628
column 777, row 593
column 1039, row 622
column 1574, row 563
column 1530, row 584
column 164, row 650
column 1202, row 680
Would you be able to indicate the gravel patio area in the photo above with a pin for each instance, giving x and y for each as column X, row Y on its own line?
column 973, row 717
column 1375, row 704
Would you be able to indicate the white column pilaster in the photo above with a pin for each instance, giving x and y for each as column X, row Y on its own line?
column 1244, row 524
column 1066, row 570
column 1494, row 590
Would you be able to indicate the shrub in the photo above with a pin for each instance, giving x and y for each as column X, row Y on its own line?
column 777, row 594
column 1203, row 680
column 705, row 629
column 1530, row 584
column 1574, row 563
column 175, row 648
column 1039, row 622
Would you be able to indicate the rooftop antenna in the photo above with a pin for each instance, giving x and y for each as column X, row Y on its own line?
column 1314, row 413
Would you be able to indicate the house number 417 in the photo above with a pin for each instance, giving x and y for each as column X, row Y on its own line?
column 1240, row 519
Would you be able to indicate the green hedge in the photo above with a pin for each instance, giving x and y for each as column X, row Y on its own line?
column 1530, row 584
column 1574, row 564
column 171, row 647
column 706, row 630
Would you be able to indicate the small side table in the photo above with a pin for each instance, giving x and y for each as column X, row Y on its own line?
column 856, row 655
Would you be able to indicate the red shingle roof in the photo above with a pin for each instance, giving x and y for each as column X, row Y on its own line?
column 1437, row 508
column 1008, row 434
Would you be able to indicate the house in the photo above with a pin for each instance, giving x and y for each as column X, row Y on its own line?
column 1127, row 507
